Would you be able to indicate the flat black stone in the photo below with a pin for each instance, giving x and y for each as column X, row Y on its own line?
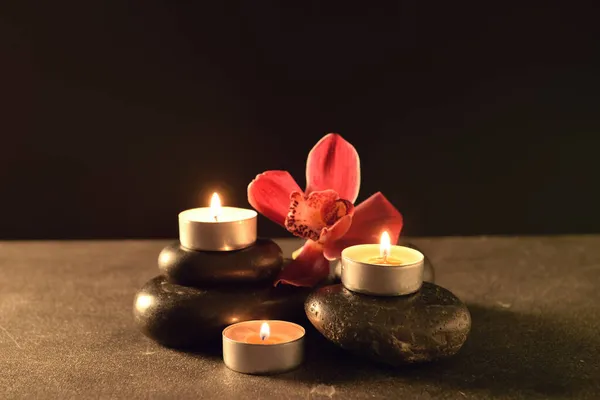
column 191, row 318
column 428, row 325
column 260, row 262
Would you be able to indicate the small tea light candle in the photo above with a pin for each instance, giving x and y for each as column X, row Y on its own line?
column 217, row 228
column 385, row 258
column 382, row 269
column 263, row 347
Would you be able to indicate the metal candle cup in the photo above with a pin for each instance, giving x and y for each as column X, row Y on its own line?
column 248, row 350
column 363, row 273
column 217, row 228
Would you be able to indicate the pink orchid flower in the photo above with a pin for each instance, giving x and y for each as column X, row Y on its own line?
column 324, row 213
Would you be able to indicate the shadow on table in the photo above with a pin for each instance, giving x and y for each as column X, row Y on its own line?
column 506, row 353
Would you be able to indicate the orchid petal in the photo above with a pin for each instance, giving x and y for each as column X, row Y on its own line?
column 308, row 269
column 269, row 194
column 371, row 218
column 338, row 230
column 311, row 215
column 333, row 163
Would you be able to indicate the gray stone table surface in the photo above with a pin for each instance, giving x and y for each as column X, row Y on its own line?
column 66, row 328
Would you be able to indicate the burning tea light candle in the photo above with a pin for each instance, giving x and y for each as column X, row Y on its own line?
column 384, row 257
column 264, row 336
column 382, row 269
column 217, row 228
column 263, row 347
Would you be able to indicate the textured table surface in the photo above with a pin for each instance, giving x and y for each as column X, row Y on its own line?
column 66, row 328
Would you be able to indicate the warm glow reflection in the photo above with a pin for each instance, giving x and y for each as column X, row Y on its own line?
column 265, row 331
column 384, row 245
column 215, row 206
column 143, row 302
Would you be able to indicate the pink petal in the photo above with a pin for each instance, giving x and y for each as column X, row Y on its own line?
column 309, row 215
column 308, row 269
column 339, row 229
column 371, row 218
column 269, row 193
column 333, row 164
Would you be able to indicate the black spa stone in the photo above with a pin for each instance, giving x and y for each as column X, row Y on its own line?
column 260, row 262
column 428, row 325
column 191, row 318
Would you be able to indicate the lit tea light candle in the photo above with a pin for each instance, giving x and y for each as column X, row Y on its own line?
column 215, row 206
column 382, row 269
column 264, row 336
column 263, row 347
column 384, row 253
column 217, row 228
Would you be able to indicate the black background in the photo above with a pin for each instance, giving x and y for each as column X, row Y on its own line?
column 472, row 118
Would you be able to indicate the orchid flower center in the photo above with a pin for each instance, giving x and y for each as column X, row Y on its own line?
column 309, row 215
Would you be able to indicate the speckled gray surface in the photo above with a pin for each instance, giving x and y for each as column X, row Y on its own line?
column 66, row 328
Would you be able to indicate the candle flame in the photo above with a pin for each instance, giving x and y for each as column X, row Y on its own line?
column 384, row 245
column 215, row 206
column 265, row 331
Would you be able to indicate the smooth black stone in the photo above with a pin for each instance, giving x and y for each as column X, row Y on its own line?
column 260, row 262
column 191, row 318
column 428, row 325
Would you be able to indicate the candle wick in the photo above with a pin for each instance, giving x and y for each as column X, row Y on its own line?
column 216, row 219
column 385, row 256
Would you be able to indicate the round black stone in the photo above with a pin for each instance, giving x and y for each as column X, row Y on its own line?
column 428, row 325
column 191, row 318
column 260, row 262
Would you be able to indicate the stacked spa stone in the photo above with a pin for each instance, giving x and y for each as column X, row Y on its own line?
column 201, row 292
column 426, row 325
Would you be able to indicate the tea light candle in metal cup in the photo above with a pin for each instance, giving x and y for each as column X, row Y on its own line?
column 263, row 347
column 382, row 269
column 217, row 228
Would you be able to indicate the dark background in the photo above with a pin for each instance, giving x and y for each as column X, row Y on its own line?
column 472, row 118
